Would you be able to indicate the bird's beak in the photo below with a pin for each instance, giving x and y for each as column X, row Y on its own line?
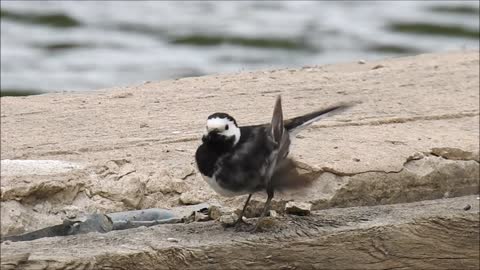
column 214, row 130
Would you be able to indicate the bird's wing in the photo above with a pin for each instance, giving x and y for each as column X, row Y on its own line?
column 281, row 139
column 277, row 121
column 278, row 132
column 246, row 167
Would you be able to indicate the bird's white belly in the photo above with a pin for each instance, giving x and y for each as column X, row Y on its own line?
column 212, row 182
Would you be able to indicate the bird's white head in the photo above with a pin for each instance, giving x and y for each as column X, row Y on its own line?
column 221, row 126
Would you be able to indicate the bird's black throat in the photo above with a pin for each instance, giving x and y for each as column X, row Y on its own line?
column 217, row 142
column 213, row 147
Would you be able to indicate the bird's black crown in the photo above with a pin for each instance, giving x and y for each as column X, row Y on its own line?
column 223, row 115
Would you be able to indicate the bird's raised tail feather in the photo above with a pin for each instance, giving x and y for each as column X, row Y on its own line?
column 295, row 125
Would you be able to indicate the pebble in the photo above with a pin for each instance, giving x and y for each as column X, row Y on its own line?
column 229, row 219
column 361, row 62
column 216, row 211
column 201, row 217
column 273, row 213
column 298, row 208
column 189, row 199
column 173, row 240
column 266, row 223
column 467, row 207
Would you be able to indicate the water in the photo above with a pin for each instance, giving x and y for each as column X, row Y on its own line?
column 70, row 46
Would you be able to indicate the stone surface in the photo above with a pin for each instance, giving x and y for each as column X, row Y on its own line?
column 189, row 198
column 201, row 217
column 273, row 213
column 228, row 219
column 216, row 211
column 413, row 137
column 424, row 235
column 298, row 208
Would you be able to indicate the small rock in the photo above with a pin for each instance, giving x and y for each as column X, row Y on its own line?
column 201, row 217
column 361, row 62
column 173, row 185
column 467, row 207
column 266, row 223
column 356, row 159
column 216, row 211
column 298, row 208
column 189, row 199
column 143, row 125
column 229, row 219
column 378, row 66
column 173, row 240
column 273, row 213
column 183, row 172
column 416, row 156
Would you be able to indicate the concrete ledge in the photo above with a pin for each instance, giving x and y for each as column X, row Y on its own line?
column 438, row 234
column 414, row 138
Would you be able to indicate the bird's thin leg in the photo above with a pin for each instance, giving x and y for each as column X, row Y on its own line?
column 265, row 208
column 243, row 210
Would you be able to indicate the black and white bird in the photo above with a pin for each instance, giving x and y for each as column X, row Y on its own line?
column 237, row 161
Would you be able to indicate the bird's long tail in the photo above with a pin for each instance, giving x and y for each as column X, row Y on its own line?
column 295, row 125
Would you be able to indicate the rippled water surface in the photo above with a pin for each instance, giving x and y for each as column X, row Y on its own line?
column 65, row 46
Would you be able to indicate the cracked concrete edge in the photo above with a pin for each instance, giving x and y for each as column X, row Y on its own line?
column 438, row 234
column 440, row 173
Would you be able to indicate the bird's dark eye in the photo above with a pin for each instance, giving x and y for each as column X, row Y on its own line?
column 226, row 127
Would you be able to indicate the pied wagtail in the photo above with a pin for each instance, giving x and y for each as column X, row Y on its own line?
column 237, row 160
